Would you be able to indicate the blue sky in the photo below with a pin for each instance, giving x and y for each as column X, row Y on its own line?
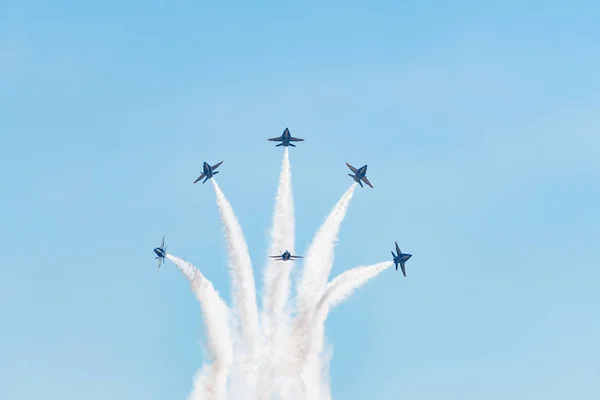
column 479, row 122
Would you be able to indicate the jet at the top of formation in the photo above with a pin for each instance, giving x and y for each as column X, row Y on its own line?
column 286, row 256
column 161, row 252
column 359, row 174
column 285, row 139
column 401, row 258
column 208, row 171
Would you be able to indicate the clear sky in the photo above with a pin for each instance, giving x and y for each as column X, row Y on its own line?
column 480, row 123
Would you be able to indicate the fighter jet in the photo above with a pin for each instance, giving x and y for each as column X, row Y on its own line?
column 208, row 171
column 359, row 174
column 161, row 252
column 401, row 258
column 286, row 257
column 285, row 139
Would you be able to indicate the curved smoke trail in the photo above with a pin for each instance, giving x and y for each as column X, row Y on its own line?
column 317, row 265
column 320, row 254
column 310, row 328
column 210, row 382
column 338, row 290
column 242, row 276
column 342, row 287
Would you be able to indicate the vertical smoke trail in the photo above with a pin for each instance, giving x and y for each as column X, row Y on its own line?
column 242, row 276
column 277, row 279
column 277, row 285
column 319, row 257
column 211, row 381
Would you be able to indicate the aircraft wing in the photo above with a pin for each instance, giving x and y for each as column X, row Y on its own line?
column 274, row 256
column 296, row 257
column 216, row 165
column 162, row 244
column 159, row 262
column 398, row 249
column 402, row 265
column 200, row 177
column 275, row 139
column 294, row 139
column 365, row 180
column 352, row 168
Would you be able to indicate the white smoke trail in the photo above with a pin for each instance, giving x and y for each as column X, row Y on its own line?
column 291, row 363
column 318, row 264
column 342, row 287
column 338, row 290
column 277, row 284
column 242, row 276
column 211, row 382
column 277, row 279
column 320, row 254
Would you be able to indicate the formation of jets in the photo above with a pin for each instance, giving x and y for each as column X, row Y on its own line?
column 358, row 175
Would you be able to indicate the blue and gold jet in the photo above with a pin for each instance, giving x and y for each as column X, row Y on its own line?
column 208, row 171
column 359, row 174
column 286, row 138
column 286, row 257
column 401, row 258
column 161, row 252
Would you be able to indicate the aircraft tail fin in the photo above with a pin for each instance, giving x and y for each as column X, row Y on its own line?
column 280, row 144
column 216, row 172
column 293, row 145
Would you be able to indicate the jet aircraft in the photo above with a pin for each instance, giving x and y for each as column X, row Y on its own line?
column 161, row 252
column 359, row 174
column 401, row 258
column 286, row 257
column 286, row 138
column 208, row 171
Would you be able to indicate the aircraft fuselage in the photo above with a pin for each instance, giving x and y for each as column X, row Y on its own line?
column 207, row 170
column 159, row 252
column 285, row 138
column 361, row 173
column 402, row 258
